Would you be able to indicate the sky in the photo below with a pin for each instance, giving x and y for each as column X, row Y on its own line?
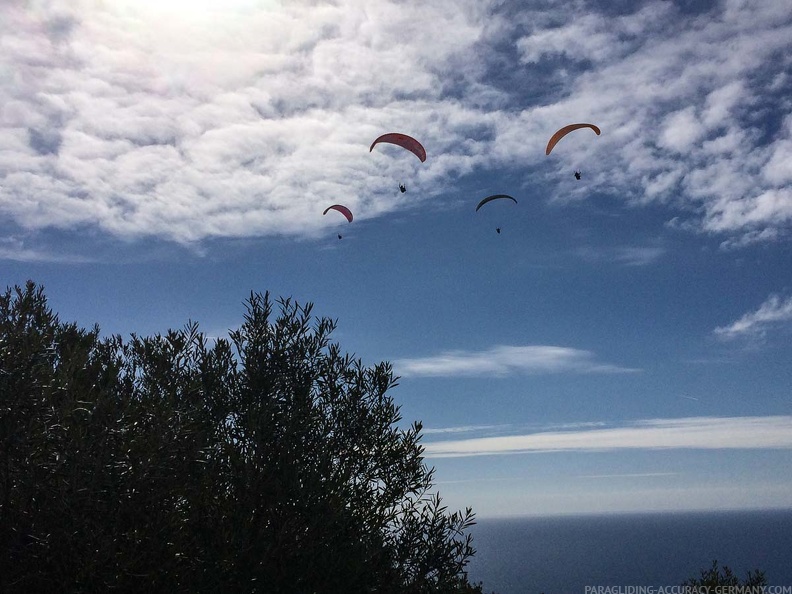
column 622, row 344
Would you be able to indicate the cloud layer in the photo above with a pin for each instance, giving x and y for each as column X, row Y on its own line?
column 248, row 121
column 773, row 432
column 504, row 360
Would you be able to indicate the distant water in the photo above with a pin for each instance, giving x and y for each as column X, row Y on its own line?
column 563, row 555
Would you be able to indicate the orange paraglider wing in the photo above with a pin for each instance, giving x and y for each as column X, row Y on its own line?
column 566, row 130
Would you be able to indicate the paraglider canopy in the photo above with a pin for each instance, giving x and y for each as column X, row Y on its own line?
column 494, row 197
column 340, row 208
column 566, row 130
column 404, row 141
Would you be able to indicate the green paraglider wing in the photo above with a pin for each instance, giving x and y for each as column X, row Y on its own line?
column 566, row 130
column 494, row 197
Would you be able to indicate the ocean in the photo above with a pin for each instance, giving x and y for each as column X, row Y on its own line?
column 564, row 555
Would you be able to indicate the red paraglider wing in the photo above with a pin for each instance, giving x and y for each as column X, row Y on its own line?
column 342, row 209
column 494, row 197
column 566, row 130
column 404, row 141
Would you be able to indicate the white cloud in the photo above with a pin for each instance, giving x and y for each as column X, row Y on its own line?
column 589, row 37
column 772, row 312
column 778, row 169
column 681, row 119
column 772, row 432
column 248, row 118
column 681, row 130
column 194, row 123
column 503, row 360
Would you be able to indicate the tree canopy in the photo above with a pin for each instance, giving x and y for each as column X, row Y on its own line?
column 720, row 580
column 268, row 461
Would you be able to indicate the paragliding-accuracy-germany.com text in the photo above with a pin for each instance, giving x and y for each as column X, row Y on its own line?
column 687, row 589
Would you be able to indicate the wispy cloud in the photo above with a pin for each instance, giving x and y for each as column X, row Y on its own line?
column 771, row 313
column 772, row 432
column 463, row 429
column 504, row 360
column 624, row 255
column 479, row 480
column 629, row 475
column 15, row 249
column 508, row 428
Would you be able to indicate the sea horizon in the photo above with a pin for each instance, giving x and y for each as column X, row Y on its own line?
column 566, row 554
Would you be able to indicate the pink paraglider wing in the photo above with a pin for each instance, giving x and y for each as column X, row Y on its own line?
column 342, row 209
column 404, row 141
column 566, row 130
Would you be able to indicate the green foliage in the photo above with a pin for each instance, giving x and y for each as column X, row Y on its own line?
column 715, row 577
column 270, row 462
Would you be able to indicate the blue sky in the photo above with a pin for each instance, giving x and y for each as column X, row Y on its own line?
column 622, row 345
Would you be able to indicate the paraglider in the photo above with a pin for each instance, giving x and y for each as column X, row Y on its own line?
column 402, row 188
column 343, row 210
column 566, row 130
column 490, row 199
column 340, row 208
column 494, row 197
column 577, row 174
column 404, row 141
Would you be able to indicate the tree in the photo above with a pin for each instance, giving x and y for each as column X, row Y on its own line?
column 267, row 462
column 714, row 577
